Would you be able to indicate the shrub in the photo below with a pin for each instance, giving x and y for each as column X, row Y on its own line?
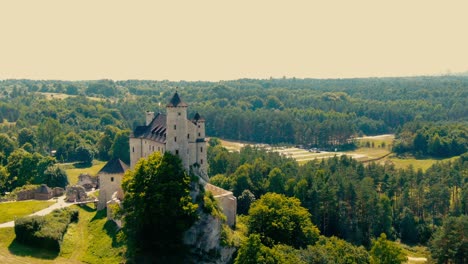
column 45, row 231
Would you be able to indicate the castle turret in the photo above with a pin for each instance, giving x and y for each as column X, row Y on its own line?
column 149, row 117
column 177, row 131
column 200, row 143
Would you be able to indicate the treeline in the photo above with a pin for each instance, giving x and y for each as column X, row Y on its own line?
column 346, row 198
column 437, row 140
column 323, row 113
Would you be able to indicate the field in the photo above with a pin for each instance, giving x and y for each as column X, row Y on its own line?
column 73, row 172
column 369, row 148
column 91, row 240
column 381, row 147
column 423, row 164
column 59, row 96
column 10, row 210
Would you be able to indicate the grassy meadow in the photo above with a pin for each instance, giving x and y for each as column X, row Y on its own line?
column 73, row 172
column 424, row 164
column 92, row 240
column 369, row 148
column 11, row 210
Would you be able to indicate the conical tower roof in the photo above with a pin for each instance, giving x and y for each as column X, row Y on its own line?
column 176, row 101
column 114, row 166
column 198, row 117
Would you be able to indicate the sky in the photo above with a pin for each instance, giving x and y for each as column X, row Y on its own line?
column 224, row 40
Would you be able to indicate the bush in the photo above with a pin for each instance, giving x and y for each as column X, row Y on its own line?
column 45, row 231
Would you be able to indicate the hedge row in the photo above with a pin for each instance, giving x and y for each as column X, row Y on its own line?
column 45, row 231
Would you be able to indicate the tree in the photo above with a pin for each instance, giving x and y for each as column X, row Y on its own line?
column 386, row 252
column 157, row 206
column 279, row 219
column 253, row 252
column 47, row 133
column 121, row 149
column 7, row 146
column 24, row 168
column 3, row 179
column 450, row 242
column 27, row 135
column 84, row 154
column 334, row 250
column 54, row 176
column 244, row 201
column 276, row 181
column 408, row 228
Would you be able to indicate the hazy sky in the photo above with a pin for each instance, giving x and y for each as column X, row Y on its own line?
column 221, row 40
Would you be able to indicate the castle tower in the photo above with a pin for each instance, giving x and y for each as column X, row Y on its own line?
column 176, row 130
column 200, row 150
column 110, row 181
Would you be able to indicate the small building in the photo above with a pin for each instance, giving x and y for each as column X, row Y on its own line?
column 110, row 181
column 43, row 193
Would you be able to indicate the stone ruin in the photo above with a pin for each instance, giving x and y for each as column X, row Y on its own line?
column 43, row 192
column 76, row 194
column 88, row 182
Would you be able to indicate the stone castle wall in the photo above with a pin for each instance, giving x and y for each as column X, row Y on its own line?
column 109, row 183
column 226, row 200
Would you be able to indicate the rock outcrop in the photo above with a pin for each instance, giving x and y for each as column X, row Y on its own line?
column 208, row 238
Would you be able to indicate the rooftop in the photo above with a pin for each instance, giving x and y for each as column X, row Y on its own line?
column 176, row 101
column 114, row 166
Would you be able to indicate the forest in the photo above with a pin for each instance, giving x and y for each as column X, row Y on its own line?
column 46, row 123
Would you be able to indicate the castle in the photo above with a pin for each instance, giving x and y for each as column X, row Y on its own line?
column 174, row 133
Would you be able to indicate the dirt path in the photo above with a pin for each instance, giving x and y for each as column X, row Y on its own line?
column 59, row 204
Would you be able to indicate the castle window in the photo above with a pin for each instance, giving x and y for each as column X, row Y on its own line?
column 175, row 139
column 153, row 148
column 178, row 113
column 177, row 152
column 149, row 147
column 112, row 179
column 201, row 161
column 159, row 148
column 133, row 149
column 188, row 135
column 201, row 149
column 198, row 126
column 175, row 127
column 199, row 134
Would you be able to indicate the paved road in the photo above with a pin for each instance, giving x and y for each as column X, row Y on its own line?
column 59, row 204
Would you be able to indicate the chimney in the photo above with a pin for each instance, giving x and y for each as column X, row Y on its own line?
column 149, row 117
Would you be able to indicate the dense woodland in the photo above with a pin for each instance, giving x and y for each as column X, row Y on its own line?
column 49, row 122
column 321, row 113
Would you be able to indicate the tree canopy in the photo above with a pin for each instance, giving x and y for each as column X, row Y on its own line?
column 157, row 206
column 279, row 219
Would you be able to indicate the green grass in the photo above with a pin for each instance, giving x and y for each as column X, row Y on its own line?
column 92, row 240
column 14, row 252
column 10, row 210
column 369, row 153
column 424, row 164
column 416, row 252
column 73, row 172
